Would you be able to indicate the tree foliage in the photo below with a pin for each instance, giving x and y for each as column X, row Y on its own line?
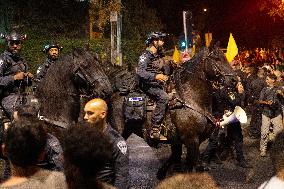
column 101, row 9
column 139, row 19
column 275, row 8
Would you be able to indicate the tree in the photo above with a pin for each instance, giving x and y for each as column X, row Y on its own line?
column 275, row 8
column 139, row 19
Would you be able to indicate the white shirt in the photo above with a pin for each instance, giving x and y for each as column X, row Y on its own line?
column 273, row 183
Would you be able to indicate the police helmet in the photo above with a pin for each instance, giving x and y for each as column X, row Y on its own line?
column 52, row 45
column 154, row 36
column 13, row 36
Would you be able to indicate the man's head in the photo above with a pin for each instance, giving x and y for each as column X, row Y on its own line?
column 52, row 50
column 261, row 72
column 14, row 42
column 96, row 111
column 86, row 150
column 25, row 143
column 270, row 80
column 278, row 74
column 156, row 39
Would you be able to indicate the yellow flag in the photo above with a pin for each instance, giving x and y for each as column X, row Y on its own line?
column 193, row 51
column 232, row 49
column 176, row 55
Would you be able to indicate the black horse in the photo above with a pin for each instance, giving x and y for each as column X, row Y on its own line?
column 75, row 78
column 193, row 121
column 193, row 85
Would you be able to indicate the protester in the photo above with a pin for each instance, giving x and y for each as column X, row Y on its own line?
column 86, row 150
column 24, row 146
column 277, row 157
column 188, row 181
column 271, row 113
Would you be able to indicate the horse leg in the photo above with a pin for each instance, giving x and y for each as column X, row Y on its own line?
column 192, row 155
column 175, row 159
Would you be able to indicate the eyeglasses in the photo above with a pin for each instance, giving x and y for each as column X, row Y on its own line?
column 14, row 43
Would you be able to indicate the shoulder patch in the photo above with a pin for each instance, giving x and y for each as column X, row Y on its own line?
column 122, row 146
column 39, row 70
column 1, row 62
column 142, row 58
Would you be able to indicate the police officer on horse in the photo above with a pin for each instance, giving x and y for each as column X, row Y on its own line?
column 52, row 50
column 153, row 72
column 14, row 75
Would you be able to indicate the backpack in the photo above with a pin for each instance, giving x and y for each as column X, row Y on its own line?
column 134, row 107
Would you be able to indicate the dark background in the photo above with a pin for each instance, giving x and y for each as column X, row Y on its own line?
column 250, row 26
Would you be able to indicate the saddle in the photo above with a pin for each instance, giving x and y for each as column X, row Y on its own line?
column 137, row 106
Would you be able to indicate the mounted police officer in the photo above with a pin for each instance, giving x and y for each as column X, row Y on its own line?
column 153, row 71
column 52, row 50
column 14, row 75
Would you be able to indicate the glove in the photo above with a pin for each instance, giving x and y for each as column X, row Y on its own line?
column 19, row 76
column 30, row 75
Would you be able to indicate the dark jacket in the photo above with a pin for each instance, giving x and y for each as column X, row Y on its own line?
column 226, row 99
column 9, row 66
column 53, row 154
column 267, row 94
column 116, row 172
column 149, row 66
column 42, row 69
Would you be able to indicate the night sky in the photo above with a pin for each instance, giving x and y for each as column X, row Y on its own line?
column 250, row 26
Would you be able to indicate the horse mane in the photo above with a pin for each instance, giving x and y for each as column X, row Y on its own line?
column 190, row 67
column 120, row 77
column 56, row 91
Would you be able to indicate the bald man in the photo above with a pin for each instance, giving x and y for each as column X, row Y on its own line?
column 115, row 172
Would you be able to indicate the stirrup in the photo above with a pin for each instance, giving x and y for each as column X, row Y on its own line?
column 156, row 134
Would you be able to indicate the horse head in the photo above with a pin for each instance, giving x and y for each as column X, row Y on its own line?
column 89, row 76
column 217, row 68
column 73, row 75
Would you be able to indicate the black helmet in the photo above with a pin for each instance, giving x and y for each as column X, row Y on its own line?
column 154, row 36
column 13, row 36
column 51, row 45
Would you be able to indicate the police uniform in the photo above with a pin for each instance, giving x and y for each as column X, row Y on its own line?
column 116, row 171
column 10, row 65
column 54, row 154
column 227, row 99
column 42, row 69
column 148, row 67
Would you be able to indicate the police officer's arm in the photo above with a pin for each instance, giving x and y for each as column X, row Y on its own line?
column 142, row 69
column 5, row 80
column 121, row 165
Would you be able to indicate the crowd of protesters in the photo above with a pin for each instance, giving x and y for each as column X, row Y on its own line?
column 91, row 154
